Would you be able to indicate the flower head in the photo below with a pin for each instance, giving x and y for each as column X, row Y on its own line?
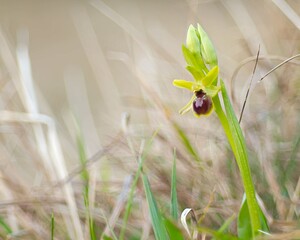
column 202, row 64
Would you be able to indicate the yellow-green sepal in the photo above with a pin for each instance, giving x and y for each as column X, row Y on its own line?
column 192, row 86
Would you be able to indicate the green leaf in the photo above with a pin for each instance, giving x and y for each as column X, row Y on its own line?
column 237, row 142
column 198, row 75
column 173, row 230
column 159, row 229
column 184, row 84
column 192, row 40
column 174, row 201
column 211, row 76
column 207, row 48
column 244, row 223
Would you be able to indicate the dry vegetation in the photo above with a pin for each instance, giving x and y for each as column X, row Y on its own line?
column 84, row 64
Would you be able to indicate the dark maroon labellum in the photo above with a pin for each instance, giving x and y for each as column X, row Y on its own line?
column 202, row 104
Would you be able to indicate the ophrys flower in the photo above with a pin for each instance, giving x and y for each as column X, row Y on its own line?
column 201, row 58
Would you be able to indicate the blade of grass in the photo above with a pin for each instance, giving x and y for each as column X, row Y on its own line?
column 174, row 201
column 173, row 230
column 216, row 234
column 85, row 177
column 52, row 226
column 156, row 218
column 133, row 186
column 111, row 231
column 186, row 142
column 226, row 224
column 5, row 226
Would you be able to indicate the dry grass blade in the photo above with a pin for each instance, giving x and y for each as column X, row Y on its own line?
column 246, row 97
column 279, row 65
column 192, row 233
column 56, row 155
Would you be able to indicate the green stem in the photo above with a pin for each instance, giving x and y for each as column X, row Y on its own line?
column 236, row 139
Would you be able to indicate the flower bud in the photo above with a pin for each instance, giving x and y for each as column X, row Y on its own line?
column 193, row 40
column 208, row 51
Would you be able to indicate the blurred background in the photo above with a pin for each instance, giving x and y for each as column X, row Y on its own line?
column 94, row 79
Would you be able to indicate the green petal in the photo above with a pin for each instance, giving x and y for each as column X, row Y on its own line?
column 210, row 77
column 187, row 107
column 212, row 90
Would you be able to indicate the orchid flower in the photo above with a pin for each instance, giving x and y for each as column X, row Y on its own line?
column 200, row 56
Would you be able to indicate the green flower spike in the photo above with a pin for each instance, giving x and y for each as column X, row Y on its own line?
column 202, row 62
column 204, row 90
